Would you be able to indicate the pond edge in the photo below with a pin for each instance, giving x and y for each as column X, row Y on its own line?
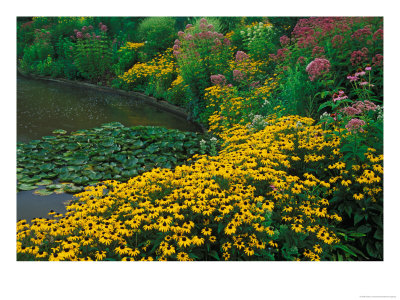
column 162, row 104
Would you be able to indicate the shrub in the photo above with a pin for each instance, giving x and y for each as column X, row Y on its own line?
column 347, row 43
column 201, row 52
column 158, row 33
column 358, row 123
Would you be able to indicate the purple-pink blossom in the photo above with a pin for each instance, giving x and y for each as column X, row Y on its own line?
column 218, row 79
column 350, row 111
column 355, row 125
column 240, row 56
column 284, row 40
column 238, row 75
column 318, row 67
column 340, row 96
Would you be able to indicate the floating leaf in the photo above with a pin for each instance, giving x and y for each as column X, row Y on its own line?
column 44, row 182
column 59, row 131
column 43, row 192
column 26, row 187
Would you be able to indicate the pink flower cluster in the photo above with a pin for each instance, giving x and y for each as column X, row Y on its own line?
column 362, row 33
column 377, row 60
column 309, row 31
column 84, row 33
column 301, row 59
column 318, row 67
column 359, row 107
column 318, row 51
column 238, row 75
column 218, row 79
column 355, row 125
column 241, row 56
column 378, row 35
column 284, row 40
column 280, row 55
column 207, row 36
column 337, row 41
column 339, row 96
column 359, row 56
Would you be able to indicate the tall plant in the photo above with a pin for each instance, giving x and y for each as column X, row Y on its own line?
column 201, row 52
column 93, row 54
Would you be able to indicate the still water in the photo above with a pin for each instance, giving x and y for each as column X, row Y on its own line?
column 43, row 106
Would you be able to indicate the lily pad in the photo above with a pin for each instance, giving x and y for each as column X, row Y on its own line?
column 59, row 131
column 43, row 192
column 26, row 187
column 72, row 189
column 44, row 182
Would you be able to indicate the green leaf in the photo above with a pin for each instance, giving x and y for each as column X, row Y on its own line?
column 358, row 218
column 348, row 210
column 214, row 254
column 43, row 192
column 59, row 131
column 346, row 249
column 364, row 229
column 378, row 234
column 44, row 182
column 26, row 187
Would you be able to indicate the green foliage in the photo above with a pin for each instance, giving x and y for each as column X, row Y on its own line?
column 158, row 33
column 93, row 57
column 201, row 52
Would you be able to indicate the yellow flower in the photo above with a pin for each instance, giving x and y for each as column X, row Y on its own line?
column 358, row 196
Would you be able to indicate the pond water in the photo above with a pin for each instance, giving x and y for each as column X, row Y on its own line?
column 43, row 106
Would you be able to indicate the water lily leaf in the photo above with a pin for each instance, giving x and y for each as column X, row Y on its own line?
column 99, row 158
column 43, row 192
column 129, row 173
column 33, row 179
column 48, row 138
column 44, row 182
column 46, row 167
column 59, row 131
column 26, row 187
column 131, row 163
column 152, row 149
column 112, row 125
column 55, row 186
column 20, row 169
column 95, row 176
column 59, row 191
column 107, row 143
column 80, row 180
column 72, row 189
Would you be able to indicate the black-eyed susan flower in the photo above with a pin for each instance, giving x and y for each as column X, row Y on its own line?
column 100, row 255
column 297, row 227
column 184, row 241
column 206, row 231
column 182, row 256
column 317, row 248
column 358, row 196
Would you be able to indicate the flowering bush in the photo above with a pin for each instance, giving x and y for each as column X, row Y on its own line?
column 93, row 55
column 346, row 43
column 359, row 125
column 201, row 52
column 244, row 204
column 154, row 77
column 127, row 57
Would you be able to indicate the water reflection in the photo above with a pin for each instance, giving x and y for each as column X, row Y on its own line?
column 43, row 106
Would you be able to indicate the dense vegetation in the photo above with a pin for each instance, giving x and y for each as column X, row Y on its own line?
column 297, row 104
